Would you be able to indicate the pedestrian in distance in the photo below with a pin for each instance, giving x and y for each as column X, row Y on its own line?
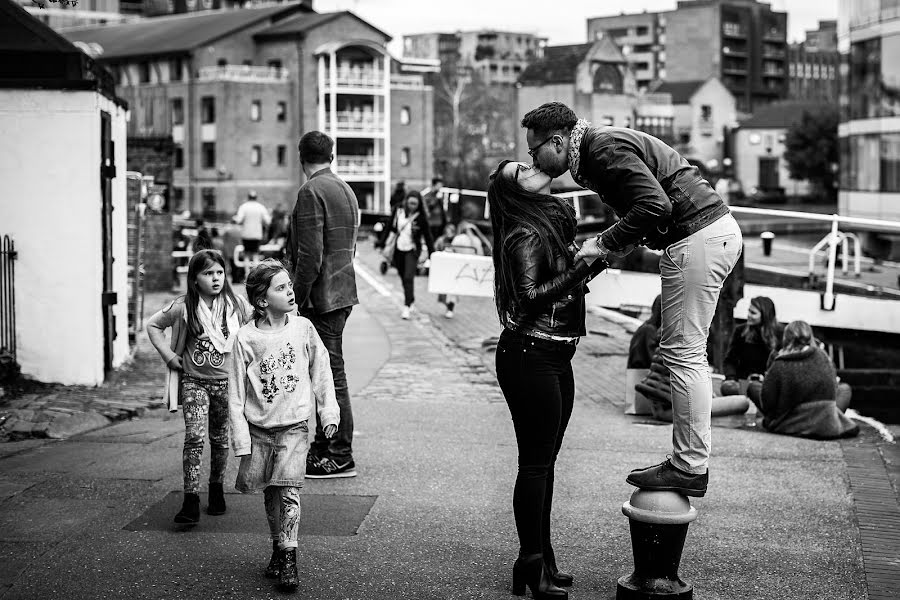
column 279, row 370
column 663, row 203
column 434, row 207
column 410, row 224
column 204, row 322
column 539, row 291
column 254, row 220
column 321, row 246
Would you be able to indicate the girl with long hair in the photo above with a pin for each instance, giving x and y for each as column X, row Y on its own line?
column 410, row 223
column 204, row 322
column 751, row 345
column 539, row 291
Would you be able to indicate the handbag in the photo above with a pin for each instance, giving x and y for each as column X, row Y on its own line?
column 390, row 244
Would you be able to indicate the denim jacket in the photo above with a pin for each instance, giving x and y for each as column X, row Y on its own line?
column 659, row 197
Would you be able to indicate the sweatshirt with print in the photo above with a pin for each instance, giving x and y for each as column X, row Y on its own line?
column 275, row 378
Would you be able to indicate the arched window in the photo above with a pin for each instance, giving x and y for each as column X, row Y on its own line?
column 607, row 79
column 404, row 115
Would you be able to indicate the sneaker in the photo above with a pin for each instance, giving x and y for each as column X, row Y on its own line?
column 448, row 314
column 328, row 468
column 312, row 461
column 667, row 477
column 405, row 313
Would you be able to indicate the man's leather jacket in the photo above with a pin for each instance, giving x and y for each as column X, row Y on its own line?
column 659, row 197
column 550, row 298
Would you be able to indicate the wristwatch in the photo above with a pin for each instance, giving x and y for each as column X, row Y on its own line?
column 604, row 251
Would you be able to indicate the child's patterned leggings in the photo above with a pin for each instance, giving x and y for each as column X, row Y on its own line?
column 283, row 513
column 204, row 399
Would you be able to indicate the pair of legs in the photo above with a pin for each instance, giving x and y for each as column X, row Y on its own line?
column 537, row 382
column 204, row 400
column 407, row 264
column 330, row 327
column 283, row 514
column 693, row 271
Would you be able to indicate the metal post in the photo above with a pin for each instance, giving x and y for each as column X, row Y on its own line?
column 828, row 297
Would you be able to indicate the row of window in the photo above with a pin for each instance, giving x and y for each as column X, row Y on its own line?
column 208, row 110
column 176, row 70
column 208, row 155
column 870, row 163
column 811, row 71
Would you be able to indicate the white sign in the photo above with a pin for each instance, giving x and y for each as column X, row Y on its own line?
column 461, row 274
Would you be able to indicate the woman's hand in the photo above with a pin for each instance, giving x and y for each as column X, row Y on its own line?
column 175, row 363
column 330, row 430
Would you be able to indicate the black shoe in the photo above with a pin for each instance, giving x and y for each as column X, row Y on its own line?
column 190, row 509
column 328, row 468
column 216, row 500
column 287, row 577
column 273, row 570
column 531, row 571
column 559, row 578
column 666, row 477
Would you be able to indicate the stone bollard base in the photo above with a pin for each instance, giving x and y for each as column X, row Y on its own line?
column 633, row 587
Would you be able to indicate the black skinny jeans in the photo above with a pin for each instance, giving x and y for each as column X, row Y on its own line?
column 407, row 264
column 537, row 382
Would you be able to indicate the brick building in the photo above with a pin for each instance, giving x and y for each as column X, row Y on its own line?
column 235, row 89
column 813, row 65
column 641, row 36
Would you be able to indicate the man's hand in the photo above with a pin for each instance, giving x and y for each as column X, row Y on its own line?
column 330, row 430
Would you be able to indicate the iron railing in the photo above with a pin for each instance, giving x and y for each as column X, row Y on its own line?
column 7, row 301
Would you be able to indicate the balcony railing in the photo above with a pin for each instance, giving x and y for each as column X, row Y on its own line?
column 244, row 73
column 366, row 78
column 734, row 30
column 360, row 165
column 407, row 82
column 365, row 122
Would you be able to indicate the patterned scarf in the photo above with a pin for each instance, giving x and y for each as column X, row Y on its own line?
column 575, row 153
column 218, row 327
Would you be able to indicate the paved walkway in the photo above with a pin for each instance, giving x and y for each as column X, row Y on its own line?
column 784, row 518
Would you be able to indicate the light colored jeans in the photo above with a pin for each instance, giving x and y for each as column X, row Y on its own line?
column 692, row 273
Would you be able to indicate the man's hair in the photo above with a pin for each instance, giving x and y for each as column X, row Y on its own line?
column 315, row 148
column 550, row 118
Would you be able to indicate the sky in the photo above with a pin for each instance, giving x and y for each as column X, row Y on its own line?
column 562, row 21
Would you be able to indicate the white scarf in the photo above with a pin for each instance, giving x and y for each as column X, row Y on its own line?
column 211, row 320
column 575, row 153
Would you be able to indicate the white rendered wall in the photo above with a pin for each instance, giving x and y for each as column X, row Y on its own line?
column 50, row 203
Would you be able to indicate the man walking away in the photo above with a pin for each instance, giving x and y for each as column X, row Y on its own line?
column 326, row 216
column 254, row 220
column 434, row 207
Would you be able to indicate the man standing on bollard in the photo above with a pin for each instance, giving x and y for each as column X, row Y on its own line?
column 320, row 246
column 664, row 203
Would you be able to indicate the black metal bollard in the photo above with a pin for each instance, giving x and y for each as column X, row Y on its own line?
column 659, row 523
column 767, row 238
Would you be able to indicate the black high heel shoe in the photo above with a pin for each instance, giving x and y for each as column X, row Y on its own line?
column 530, row 570
column 559, row 578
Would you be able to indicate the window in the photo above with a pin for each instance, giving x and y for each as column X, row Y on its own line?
column 177, row 111
column 176, row 69
column 255, row 155
column 282, row 156
column 148, row 113
column 208, row 196
column 705, row 113
column 144, row 72
column 890, row 162
column 208, row 155
column 404, row 157
column 255, row 110
column 404, row 115
column 179, row 157
column 177, row 204
column 208, row 109
column 281, row 111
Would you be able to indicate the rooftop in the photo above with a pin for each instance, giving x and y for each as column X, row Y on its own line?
column 557, row 66
column 783, row 114
column 681, row 91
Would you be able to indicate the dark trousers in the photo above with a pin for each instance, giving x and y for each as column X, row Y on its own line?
column 407, row 264
column 537, row 382
column 330, row 327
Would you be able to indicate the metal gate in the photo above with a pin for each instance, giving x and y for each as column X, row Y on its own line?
column 7, row 306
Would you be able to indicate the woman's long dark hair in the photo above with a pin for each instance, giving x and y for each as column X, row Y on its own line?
column 511, row 207
column 199, row 262
column 767, row 330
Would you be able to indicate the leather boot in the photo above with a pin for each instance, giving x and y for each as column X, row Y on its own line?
column 190, row 509
column 559, row 578
column 273, row 570
column 216, row 499
column 288, row 579
column 530, row 570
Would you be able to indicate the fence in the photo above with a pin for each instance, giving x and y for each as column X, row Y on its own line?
column 7, row 303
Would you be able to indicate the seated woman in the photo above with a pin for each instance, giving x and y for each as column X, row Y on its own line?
column 750, row 347
column 645, row 339
column 800, row 389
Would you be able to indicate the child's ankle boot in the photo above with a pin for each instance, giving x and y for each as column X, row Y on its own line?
column 288, row 579
column 190, row 509
column 274, row 568
column 216, row 499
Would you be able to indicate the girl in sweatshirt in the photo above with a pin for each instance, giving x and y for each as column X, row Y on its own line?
column 279, row 371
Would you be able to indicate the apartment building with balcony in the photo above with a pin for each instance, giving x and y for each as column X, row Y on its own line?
column 743, row 43
column 642, row 39
column 869, row 132
column 813, row 65
column 235, row 90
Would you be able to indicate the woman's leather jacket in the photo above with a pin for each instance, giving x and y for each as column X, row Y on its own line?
column 550, row 298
